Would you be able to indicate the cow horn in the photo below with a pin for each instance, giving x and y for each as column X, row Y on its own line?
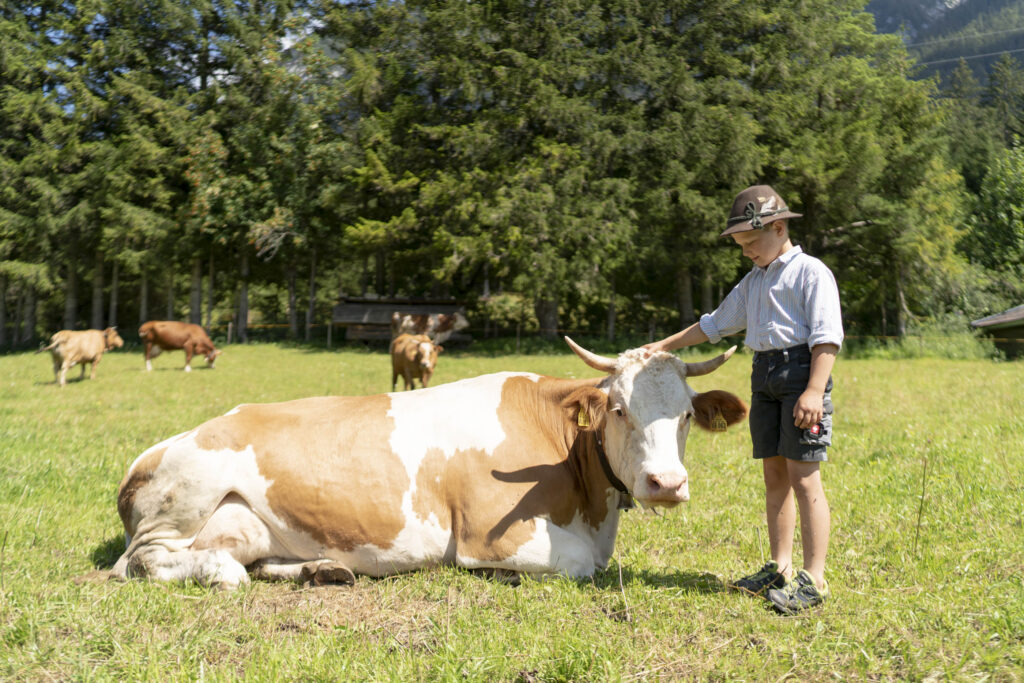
column 704, row 367
column 592, row 359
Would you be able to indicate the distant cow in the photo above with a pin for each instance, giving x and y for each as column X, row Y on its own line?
column 413, row 357
column 511, row 471
column 169, row 335
column 438, row 326
column 70, row 348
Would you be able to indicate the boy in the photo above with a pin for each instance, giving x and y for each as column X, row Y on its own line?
column 789, row 305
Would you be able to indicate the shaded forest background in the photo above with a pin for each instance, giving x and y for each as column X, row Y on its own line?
column 558, row 165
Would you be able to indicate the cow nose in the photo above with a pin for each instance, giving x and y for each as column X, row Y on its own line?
column 669, row 487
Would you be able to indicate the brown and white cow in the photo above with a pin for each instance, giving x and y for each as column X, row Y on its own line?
column 169, row 335
column 438, row 326
column 70, row 348
column 512, row 471
column 413, row 357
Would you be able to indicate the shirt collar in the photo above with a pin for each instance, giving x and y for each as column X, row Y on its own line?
column 784, row 259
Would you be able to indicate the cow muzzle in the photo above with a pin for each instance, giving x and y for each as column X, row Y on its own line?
column 667, row 489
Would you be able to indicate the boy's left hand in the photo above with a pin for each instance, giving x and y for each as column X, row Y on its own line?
column 809, row 409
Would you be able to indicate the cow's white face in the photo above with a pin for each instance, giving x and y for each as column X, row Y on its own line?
column 427, row 355
column 648, row 412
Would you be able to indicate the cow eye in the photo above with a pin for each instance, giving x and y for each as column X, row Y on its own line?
column 617, row 410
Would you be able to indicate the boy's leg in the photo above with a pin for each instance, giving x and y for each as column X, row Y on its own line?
column 815, row 516
column 780, row 512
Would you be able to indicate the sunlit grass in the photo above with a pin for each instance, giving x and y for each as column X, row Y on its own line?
column 926, row 484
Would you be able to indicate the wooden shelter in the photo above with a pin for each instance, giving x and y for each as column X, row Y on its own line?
column 1006, row 330
column 369, row 319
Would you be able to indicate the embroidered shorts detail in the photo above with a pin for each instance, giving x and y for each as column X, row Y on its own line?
column 777, row 380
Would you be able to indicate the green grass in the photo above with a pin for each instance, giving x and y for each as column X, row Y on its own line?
column 926, row 485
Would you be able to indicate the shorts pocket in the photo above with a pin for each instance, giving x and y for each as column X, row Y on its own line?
column 819, row 434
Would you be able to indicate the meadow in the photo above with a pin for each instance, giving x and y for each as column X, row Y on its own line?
column 926, row 484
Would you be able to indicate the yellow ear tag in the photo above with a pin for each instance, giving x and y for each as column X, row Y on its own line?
column 718, row 423
column 582, row 420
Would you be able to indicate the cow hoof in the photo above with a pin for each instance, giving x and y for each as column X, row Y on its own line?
column 327, row 574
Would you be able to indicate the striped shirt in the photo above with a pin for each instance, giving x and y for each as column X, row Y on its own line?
column 793, row 301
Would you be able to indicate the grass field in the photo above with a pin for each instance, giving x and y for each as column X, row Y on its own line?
column 926, row 485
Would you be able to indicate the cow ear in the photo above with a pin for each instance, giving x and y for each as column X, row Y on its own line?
column 711, row 407
column 439, row 348
column 585, row 408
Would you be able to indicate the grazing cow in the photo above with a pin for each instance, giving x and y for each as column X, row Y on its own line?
column 510, row 471
column 413, row 357
column 168, row 335
column 438, row 326
column 70, row 348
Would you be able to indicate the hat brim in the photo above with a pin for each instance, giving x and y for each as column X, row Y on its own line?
column 745, row 226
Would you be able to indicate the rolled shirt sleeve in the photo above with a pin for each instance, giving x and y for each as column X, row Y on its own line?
column 730, row 317
column 824, row 316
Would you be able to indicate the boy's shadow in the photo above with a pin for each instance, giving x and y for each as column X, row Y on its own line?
column 696, row 581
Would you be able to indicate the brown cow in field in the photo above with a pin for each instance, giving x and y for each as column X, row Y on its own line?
column 169, row 335
column 512, row 471
column 70, row 348
column 413, row 357
column 438, row 326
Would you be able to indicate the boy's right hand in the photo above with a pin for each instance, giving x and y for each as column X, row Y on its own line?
column 653, row 348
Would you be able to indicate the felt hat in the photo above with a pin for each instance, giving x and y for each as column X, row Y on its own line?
column 756, row 207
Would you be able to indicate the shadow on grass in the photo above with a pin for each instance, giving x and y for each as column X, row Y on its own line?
column 105, row 554
column 695, row 581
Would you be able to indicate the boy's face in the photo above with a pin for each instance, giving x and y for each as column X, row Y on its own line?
column 765, row 245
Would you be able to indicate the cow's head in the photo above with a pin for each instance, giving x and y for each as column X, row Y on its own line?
column 112, row 339
column 644, row 408
column 426, row 356
column 211, row 356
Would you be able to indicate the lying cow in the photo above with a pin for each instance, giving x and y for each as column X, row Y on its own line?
column 413, row 357
column 70, row 348
column 169, row 335
column 512, row 471
column 438, row 326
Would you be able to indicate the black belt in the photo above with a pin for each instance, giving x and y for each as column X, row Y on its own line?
column 799, row 351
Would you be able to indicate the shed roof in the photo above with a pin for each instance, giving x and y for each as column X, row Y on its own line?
column 1011, row 316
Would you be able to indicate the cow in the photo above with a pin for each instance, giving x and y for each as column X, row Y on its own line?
column 168, row 335
column 413, row 357
column 70, row 348
column 507, row 472
column 438, row 326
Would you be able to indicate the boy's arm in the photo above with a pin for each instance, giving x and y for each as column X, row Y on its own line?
column 688, row 337
column 809, row 407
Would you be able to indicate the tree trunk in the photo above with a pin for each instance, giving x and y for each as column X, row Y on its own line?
column 28, row 330
column 706, row 292
column 902, row 312
column 293, row 313
column 170, row 294
column 611, row 313
column 71, row 299
column 311, row 308
column 3, row 311
column 96, row 319
column 243, row 302
column 19, row 314
column 144, row 298
column 547, row 315
column 684, row 297
column 195, row 294
column 115, row 275
column 209, row 294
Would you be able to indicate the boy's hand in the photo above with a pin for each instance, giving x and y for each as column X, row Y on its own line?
column 653, row 347
column 809, row 409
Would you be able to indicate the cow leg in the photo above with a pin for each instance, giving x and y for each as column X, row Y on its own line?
column 56, row 370
column 189, row 350
column 63, row 379
column 151, row 353
column 551, row 550
column 313, row 573
column 92, row 368
column 154, row 561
